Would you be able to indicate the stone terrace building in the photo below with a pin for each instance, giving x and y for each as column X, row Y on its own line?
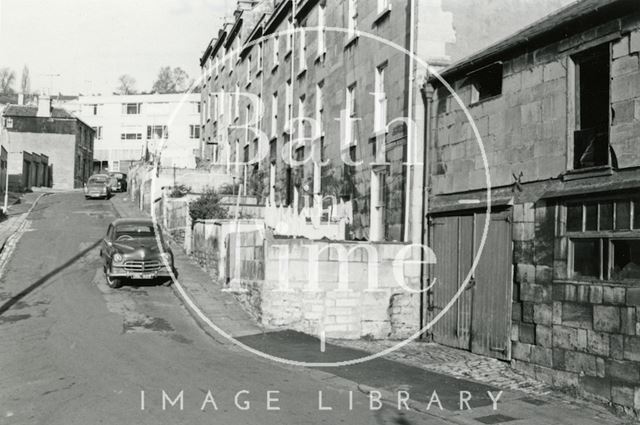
column 315, row 74
column 323, row 74
column 557, row 288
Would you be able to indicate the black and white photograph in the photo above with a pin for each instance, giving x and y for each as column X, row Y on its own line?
column 267, row 212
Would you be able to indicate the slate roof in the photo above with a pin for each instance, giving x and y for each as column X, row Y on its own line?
column 558, row 24
column 31, row 111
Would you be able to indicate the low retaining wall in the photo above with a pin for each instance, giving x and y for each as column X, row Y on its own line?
column 341, row 289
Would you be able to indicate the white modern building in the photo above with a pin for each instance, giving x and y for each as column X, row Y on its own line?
column 132, row 127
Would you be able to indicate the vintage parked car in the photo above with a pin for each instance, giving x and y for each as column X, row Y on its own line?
column 135, row 248
column 98, row 186
column 119, row 183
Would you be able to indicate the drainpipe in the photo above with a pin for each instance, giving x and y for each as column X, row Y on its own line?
column 410, row 147
column 427, row 97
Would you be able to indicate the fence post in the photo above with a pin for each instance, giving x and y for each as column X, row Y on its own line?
column 187, row 235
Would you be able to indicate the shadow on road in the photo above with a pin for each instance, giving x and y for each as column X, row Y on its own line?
column 6, row 306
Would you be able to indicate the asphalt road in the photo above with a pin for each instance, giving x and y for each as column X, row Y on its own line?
column 73, row 351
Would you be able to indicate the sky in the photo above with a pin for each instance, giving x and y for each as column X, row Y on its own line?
column 87, row 44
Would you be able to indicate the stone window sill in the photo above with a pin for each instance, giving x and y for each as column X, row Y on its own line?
column 382, row 15
column 351, row 40
column 585, row 173
column 487, row 99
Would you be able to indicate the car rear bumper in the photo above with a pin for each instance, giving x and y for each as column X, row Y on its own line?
column 96, row 195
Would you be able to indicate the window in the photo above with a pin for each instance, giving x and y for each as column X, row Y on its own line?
column 591, row 136
column 290, row 30
column 604, row 239
column 131, row 136
column 350, row 103
column 157, row 132
column 249, row 69
column 236, row 104
column 302, row 51
column 486, row 82
column 198, row 107
column 248, row 122
column 274, row 114
column 260, row 58
column 115, row 166
column 194, row 131
column 94, row 109
column 319, row 110
column 131, row 108
column 276, row 51
column 352, row 17
column 98, row 131
column 380, row 98
column 289, row 106
column 301, row 117
column 321, row 31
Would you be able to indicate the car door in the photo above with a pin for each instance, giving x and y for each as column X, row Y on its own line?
column 106, row 241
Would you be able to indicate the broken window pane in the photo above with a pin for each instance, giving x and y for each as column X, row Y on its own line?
column 574, row 218
column 636, row 214
column 626, row 259
column 586, row 258
column 623, row 217
column 591, row 221
column 606, row 216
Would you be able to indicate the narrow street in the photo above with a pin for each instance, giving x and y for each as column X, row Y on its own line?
column 76, row 352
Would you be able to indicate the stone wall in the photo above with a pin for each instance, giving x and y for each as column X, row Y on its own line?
column 525, row 129
column 570, row 332
column 336, row 297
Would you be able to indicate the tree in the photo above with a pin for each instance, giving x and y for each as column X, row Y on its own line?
column 7, row 78
column 169, row 80
column 126, row 84
column 25, row 82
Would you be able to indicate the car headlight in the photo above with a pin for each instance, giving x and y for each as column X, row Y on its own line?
column 117, row 258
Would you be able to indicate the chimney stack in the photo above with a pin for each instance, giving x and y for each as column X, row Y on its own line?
column 44, row 106
column 20, row 99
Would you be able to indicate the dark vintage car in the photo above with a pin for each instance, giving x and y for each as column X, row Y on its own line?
column 119, row 182
column 133, row 249
column 98, row 186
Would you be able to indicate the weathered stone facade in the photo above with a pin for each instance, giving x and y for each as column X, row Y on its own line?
column 310, row 75
column 575, row 215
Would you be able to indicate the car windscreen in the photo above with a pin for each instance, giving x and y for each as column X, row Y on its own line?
column 97, row 180
column 117, row 176
column 135, row 230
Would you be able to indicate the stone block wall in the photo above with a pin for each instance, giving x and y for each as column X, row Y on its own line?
column 342, row 299
column 525, row 129
column 567, row 332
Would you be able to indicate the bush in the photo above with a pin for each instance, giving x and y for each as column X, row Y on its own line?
column 207, row 207
column 179, row 191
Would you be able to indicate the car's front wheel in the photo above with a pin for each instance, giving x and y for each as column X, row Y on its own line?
column 113, row 282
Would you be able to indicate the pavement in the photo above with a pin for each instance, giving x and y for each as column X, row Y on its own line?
column 75, row 351
column 419, row 369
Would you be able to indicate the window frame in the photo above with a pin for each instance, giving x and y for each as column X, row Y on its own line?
column 606, row 238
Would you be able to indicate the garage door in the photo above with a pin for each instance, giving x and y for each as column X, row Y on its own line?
column 480, row 320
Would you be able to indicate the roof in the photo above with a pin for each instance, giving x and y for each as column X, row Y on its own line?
column 31, row 112
column 570, row 19
column 132, row 221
